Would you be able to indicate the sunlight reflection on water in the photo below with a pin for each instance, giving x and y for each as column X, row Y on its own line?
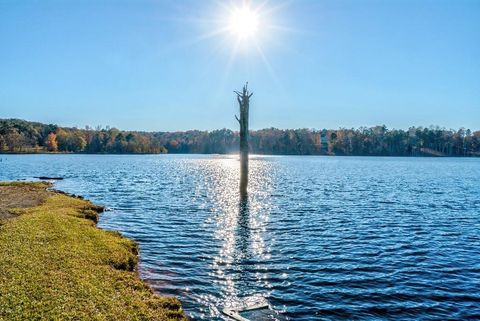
column 240, row 225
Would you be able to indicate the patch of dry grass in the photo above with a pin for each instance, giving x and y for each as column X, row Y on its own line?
column 19, row 195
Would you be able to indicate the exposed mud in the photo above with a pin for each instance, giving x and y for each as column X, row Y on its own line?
column 21, row 195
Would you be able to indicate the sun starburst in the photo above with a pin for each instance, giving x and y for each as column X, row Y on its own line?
column 244, row 22
column 241, row 28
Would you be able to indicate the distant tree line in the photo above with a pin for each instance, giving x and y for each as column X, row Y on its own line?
column 25, row 137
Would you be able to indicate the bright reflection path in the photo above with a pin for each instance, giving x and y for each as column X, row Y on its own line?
column 239, row 268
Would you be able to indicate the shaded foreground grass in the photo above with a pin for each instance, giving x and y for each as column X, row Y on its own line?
column 55, row 264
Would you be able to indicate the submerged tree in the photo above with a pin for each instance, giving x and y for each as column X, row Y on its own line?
column 243, row 99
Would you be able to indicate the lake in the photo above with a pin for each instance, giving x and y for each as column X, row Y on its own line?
column 319, row 238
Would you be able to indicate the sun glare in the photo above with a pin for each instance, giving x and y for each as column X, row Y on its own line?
column 244, row 22
column 243, row 28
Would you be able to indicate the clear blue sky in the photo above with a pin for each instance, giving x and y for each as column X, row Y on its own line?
column 148, row 65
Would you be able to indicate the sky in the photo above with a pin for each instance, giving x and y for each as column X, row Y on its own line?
column 171, row 65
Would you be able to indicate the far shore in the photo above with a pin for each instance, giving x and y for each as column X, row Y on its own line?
column 431, row 155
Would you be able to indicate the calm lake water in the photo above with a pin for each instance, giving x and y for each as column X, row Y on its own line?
column 320, row 238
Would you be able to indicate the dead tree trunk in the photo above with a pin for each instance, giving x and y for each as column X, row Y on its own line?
column 243, row 99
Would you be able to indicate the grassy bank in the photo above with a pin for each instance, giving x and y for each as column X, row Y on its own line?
column 57, row 265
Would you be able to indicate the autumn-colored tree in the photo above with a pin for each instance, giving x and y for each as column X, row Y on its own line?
column 70, row 140
column 51, row 143
column 63, row 139
column 13, row 139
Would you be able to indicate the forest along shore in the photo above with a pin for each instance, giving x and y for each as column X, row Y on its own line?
column 20, row 136
column 57, row 265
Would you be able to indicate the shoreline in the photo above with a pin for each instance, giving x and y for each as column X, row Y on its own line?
column 57, row 264
column 2, row 154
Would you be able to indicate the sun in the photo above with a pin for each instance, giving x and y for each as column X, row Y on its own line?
column 243, row 28
column 244, row 22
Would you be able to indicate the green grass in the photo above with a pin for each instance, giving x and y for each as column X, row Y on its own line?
column 55, row 264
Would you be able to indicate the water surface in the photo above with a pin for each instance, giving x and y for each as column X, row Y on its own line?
column 319, row 238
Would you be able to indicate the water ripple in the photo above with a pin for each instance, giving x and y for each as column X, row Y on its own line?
column 318, row 238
